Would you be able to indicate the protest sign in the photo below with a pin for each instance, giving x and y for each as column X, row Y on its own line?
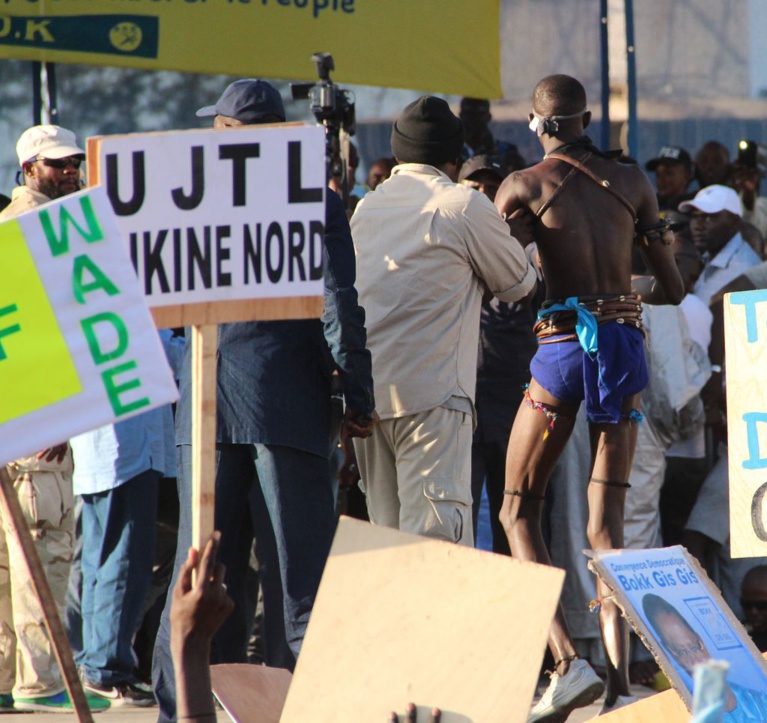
column 233, row 218
column 683, row 619
column 268, row 38
column 745, row 326
column 222, row 226
column 78, row 348
column 431, row 622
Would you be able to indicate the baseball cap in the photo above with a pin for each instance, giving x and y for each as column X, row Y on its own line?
column 670, row 154
column 481, row 162
column 713, row 199
column 47, row 142
column 248, row 100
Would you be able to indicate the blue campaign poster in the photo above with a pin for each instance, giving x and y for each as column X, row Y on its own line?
column 683, row 619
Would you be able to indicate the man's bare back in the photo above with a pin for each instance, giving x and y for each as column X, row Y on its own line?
column 588, row 218
column 585, row 236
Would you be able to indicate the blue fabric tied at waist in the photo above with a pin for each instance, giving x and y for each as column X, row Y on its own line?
column 586, row 327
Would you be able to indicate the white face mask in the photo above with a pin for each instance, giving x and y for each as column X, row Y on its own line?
column 549, row 124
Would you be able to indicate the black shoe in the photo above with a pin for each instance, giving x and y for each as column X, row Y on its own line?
column 121, row 694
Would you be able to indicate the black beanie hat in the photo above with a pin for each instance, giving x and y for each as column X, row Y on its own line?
column 427, row 132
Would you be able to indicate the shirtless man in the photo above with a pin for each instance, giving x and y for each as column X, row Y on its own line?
column 589, row 216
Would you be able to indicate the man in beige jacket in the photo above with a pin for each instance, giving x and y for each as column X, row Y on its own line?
column 427, row 250
column 30, row 678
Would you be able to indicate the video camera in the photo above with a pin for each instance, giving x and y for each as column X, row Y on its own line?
column 333, row 107
column 752, row 155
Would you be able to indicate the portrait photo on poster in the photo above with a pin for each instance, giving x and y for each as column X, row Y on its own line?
column 683, row 620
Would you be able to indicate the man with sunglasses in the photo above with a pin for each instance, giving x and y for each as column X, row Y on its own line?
column 50, row 162
column 30, row 678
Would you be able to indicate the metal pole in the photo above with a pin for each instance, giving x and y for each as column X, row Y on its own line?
column 631, row 80
column 44, row 103
column 37, row 95
column 50, row 101
column 605, row 75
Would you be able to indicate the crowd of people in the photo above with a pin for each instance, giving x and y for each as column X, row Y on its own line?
column 546, row 335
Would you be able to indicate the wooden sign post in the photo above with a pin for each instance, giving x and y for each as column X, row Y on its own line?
column 204, row 342
column 222, row 226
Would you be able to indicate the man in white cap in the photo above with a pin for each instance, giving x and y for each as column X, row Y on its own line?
column 50, row 161
column 30, row 678
column 715, row 215
column 715, row 220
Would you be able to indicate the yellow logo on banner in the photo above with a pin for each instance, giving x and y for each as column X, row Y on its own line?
column 36, row 368
column 125, row 36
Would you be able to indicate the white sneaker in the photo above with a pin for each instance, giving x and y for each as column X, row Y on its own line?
column 577, row 688
column 620, row 702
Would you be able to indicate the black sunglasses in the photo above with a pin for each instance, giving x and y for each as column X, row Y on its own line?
column 61, row 163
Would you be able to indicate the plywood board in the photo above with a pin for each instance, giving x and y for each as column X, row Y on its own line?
column 250, row 693
column 665, row 707
column 401, row 619
column 745, row 319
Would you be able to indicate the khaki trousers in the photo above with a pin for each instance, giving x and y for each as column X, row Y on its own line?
column 28, row 664
column 416, row 474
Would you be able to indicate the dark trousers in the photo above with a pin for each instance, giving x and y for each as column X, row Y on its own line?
column 488, row 466
column 285, row 497
column 681, row 484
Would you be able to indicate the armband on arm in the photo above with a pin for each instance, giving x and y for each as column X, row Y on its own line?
column 655, row 232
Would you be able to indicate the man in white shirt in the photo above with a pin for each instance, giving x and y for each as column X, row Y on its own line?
column 427, row 249
column 714, row 223
column 716, row 216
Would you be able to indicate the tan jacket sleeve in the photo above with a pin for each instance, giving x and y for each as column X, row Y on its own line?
column 496, row 256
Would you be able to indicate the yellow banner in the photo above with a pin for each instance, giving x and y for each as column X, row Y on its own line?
column 36, row 368
column 445, row 46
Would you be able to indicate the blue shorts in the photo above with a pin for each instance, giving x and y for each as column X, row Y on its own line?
column 617, row 370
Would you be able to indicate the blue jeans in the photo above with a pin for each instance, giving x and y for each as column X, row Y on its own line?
column 118, row 536
column 285, row 496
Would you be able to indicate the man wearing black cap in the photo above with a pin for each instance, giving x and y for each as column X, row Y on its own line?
column 273, row 437
column 246, row 102
column 482, row 173
column 673, row 174
column 426, row 250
